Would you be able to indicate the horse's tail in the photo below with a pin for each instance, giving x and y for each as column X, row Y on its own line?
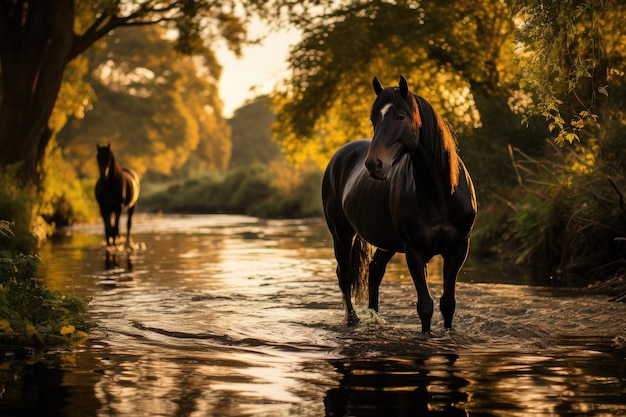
column 360, row 258
column 130, row 187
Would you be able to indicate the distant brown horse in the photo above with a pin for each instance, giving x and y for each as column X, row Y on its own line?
column 406, row 190
column 116, row 189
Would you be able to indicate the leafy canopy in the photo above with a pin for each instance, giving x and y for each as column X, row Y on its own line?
column 453, row 54
column 571, row 54
column 158, row 108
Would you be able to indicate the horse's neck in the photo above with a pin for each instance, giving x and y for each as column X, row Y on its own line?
column 430, row 175
column 115, row 170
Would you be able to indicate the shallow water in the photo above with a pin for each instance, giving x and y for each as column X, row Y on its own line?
column 236, row 316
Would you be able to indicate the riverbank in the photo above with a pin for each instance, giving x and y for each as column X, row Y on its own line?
column 614, row 287
column 256, row 190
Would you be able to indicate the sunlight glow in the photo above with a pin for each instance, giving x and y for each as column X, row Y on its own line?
column 118, row 78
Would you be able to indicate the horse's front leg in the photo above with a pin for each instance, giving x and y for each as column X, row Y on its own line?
column 106, row 218
column 452, row 263
column 417, row 267
column 376, row 272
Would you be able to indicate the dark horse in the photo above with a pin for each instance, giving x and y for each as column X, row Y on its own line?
column 406, row 190
column 116, row 189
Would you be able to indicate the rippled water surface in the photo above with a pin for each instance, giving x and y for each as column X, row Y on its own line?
column 235, row 316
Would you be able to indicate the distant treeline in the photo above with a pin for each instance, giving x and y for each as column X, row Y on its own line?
column 270, row 191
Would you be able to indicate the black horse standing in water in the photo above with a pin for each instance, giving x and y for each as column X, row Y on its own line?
column 116, row 189
column 406, row 190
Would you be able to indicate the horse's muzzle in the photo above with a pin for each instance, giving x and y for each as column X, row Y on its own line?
column 376, row 168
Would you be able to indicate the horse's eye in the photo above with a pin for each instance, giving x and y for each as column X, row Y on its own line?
column 400, row 117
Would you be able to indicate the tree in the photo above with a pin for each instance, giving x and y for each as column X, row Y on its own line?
column 157, row 108
column 39, row 39
column 456, row 54
column 572, row 58
column 572, row 223
column 252, row 135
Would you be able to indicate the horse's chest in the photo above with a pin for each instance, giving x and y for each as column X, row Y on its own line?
column 432, row 238
column 111, row 194
column 392, row 219
column 366, row 206
column 424, row 224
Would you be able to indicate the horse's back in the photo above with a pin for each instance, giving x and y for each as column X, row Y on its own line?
column 348, row 156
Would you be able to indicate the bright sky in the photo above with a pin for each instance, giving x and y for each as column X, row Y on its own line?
column 256, row 72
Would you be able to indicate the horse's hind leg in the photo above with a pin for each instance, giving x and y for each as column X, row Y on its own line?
column 345, row 271
column 116, row 225
column 376, row 272
column 452, row 263
column 129, row 223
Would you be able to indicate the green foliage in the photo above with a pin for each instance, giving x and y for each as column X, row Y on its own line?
column 276, row 191
column 455, row 54
column 70, row 198
column 35, row 211
column 571, row 54
column 159, row 109
column 531, row 219
column 75, row 97
column 39, row 40
column 23, row 206
column 571, row 58
column 572, row 223
column 568, row 58
column 32, row 315
column 252, row 135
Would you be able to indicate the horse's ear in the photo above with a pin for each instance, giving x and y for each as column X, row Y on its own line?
column 404, row 87
column 377, row 86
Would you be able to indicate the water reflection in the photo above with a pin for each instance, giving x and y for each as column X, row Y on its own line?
column 236, row 316
column 398, row 386
column 47, row 386
column 118, row 261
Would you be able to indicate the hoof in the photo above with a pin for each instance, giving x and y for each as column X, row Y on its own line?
column 353, row 320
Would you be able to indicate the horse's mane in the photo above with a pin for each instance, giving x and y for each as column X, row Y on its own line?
column 116, row 165
column 438, row 140
column 435, row 135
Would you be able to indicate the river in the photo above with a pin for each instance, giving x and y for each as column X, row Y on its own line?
column 220, row 315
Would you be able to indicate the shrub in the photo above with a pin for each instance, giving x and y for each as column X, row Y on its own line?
column 30, row 314
column 277, row 190
column 571, row 225
column 22, row 206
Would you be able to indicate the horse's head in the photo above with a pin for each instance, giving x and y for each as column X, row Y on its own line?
column 105, row 157
column 396, row 120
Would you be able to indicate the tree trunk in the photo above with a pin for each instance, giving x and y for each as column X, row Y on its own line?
column 35, row 48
